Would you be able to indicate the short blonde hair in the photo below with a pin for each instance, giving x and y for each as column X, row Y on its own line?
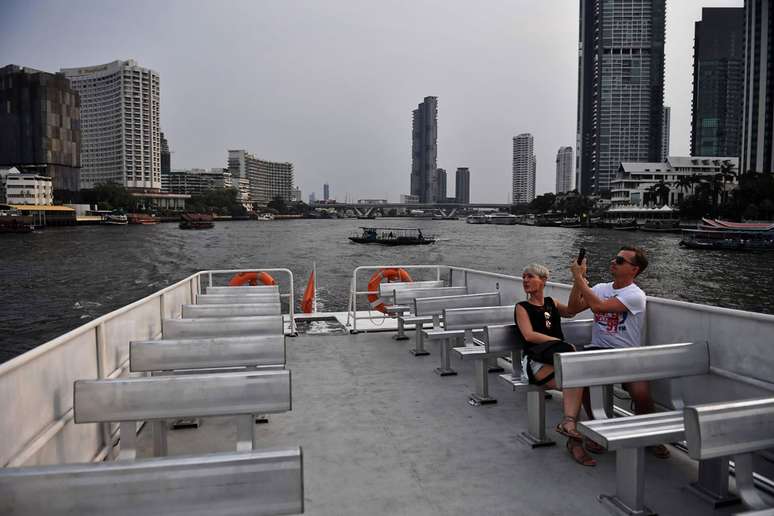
column 537, row 269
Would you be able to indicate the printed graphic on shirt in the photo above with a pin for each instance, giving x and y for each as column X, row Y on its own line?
column 611, row 322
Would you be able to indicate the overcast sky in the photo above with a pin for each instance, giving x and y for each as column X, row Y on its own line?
column 330, row 84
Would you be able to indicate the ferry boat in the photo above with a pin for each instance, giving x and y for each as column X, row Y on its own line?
column 392, row 236
column 501, row 219
column 729, row 236
column 144, row 219
column 381, row 433
column 115, row 218
column 476, row 219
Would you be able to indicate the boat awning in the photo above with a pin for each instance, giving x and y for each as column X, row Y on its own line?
column 41, row 207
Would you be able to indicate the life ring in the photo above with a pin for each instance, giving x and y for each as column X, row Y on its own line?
column 376, row 279
column 251, row 278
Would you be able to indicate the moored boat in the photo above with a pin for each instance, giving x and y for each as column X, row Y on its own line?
column 116, row 218
column 145, row 219
column 476, row 219
column 502, row 219
column 196, row 221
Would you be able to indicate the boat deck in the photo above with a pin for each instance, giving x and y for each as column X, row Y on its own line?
column 382, row 434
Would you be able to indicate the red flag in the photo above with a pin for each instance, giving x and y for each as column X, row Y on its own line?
column 307, row 303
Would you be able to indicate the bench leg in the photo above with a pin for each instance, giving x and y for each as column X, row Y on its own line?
column 630, row 484
column 445, row 369
column 245, row 433
column 419, row 342
column 494, row 367
column 481, row 396
column 128, row 443
column 745, row 484
column 601, row 401
column 159, row 438
column 712, row 485
column 535, row 436
column 401, row 335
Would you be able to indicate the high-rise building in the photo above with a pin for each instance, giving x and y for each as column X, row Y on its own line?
column 424, row 150
column 268, row 179
column 121, row 141
column 312, row 198
column 524, row 168
column 564, row 170
column 196, row 181
column 758, row 117
column 326, row 192
column 40, row 119
column 718, row 82
column 441, row 188
column 665, row 132
column 166, row 157
column 462, row 185
column 620, row 88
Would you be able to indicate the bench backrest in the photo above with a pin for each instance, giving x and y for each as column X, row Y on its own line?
column 407, row 296
column 506, row 338
column 264, row 482
column 186, row 396
column 222, row 327
column 607, row 367
column 169, row 355
column 258, row 289
column 235, row 310
column 436, row 305
column 230, row 299
column 386, row 289
column 476, row 318
column 723, row 429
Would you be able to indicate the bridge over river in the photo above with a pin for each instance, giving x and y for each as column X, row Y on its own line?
column 447, row 209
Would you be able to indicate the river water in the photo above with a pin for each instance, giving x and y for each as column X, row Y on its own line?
column 55, row 280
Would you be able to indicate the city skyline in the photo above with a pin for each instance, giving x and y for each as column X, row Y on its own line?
column 286, row 113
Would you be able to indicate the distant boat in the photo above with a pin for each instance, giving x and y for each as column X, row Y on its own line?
column 502, row 219
column 571, row 222
column 143, row 218
column 265, row 216
column 661, row 225
column 116, row 219
column 730, row 236
column 12, row 221
column 476, row 219
column 196, row 221
column 392, row 236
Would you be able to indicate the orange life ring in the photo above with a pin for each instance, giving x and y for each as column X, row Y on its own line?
column 376, row 279
column 251, row 278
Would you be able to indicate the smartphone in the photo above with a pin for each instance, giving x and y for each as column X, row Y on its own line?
column 581, row 255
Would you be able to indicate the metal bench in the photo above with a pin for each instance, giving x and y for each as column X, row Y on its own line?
column 232, row 310
column 738, row 429
column 387, row 290
column 629, row 436
column 222, row 327
column 459, row 325
column 258, row 289
column 402, row 302
column 265, row 482
column 577, row 332
column 430, row 310
column 230, row 299
column 157, row 398
column 208, row 353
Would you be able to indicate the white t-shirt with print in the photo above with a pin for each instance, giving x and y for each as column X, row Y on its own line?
column 619, row 329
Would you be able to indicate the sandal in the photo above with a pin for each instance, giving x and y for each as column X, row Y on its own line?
column 584, row 459
column 569, row 433
column 593, row 447
column 659, row 451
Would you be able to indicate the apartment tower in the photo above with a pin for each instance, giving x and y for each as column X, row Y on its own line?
column 564, row 170
column 718, row 82
column 524, row 168
column 462, row 185
column 620, row 88
column 424, row 151
column 121, row 141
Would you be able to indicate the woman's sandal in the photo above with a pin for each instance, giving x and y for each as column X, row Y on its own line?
column 583, row 458
column 569, row 433
column 593, row 447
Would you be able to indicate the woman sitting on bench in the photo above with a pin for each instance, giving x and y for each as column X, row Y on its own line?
column 538, row 321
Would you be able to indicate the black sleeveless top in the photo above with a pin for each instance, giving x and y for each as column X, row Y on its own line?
column 537, row 317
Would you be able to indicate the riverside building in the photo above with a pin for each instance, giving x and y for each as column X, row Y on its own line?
column 196, row 181
column 267, row 179
column 620, row 88
column 121, row 141
column 524, row 168
column 441, row 189
column 758, row 117
column 424, row 151
column 40, row 125
column 18, row 188
column 718, row 82
column 564, row 170
column 462, row 186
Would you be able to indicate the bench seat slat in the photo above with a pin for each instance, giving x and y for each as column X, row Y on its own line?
column 635, row 431
column 256, row 289
column 168, row 397
column 264, row 482
column 231, row 310
column 222, row 327
column 229, row 299
column 429, row 306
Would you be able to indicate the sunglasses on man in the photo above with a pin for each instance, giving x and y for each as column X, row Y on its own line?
column 620, row 260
